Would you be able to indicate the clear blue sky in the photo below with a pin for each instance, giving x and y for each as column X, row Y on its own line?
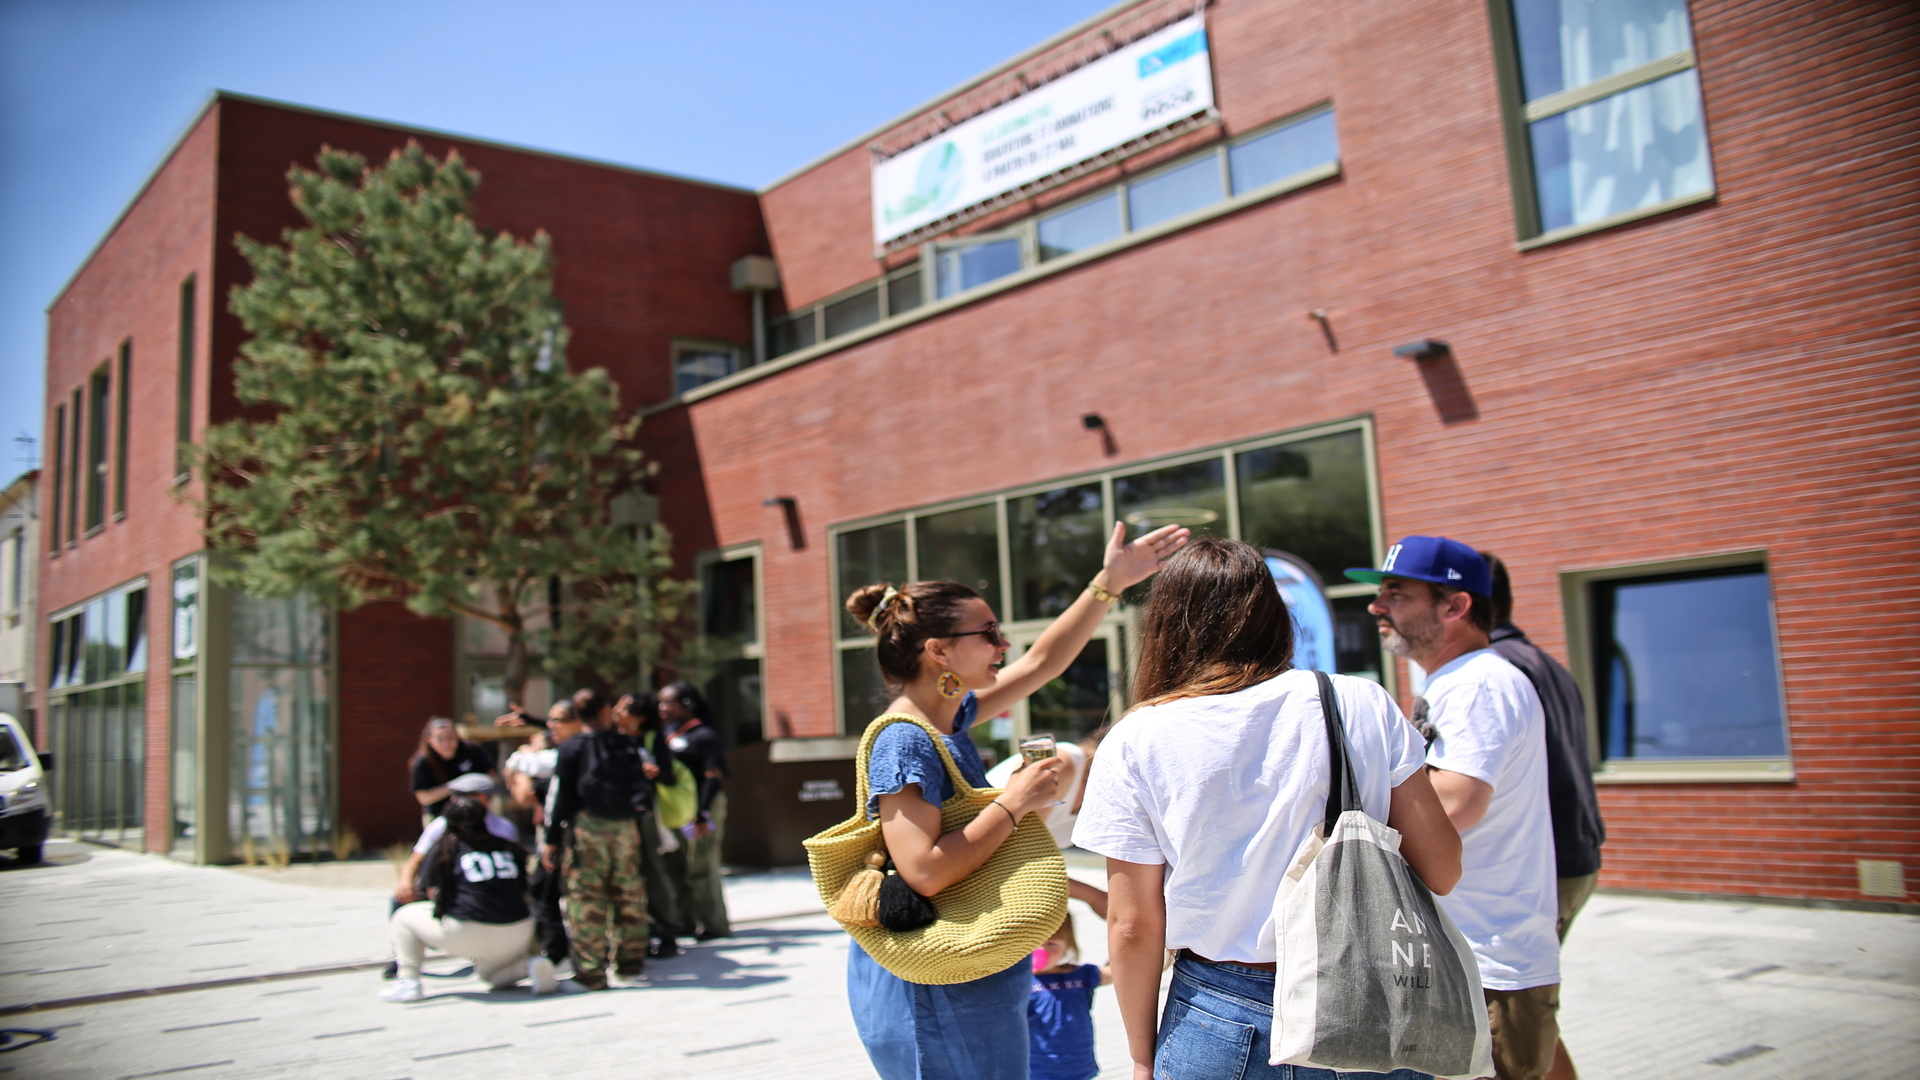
column 94, row 92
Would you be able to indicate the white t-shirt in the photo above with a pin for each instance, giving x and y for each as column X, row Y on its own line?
column 1489, row 725
column 1060, row 818
column 437, row 828
column 1225, row 789
column 535, row 763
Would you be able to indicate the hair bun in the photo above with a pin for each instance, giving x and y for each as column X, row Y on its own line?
column 865, row 601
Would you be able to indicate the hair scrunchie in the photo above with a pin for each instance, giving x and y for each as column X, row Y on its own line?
column 873, row 620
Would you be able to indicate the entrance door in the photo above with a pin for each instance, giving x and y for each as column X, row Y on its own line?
column 1070, row 708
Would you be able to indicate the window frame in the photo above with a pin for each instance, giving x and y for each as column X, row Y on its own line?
column 121, row 422
column 59, row 460
column 1576, row 605
column 183, row 381
column 99, row 448
column 1120, row 615
column 756, row 650
column 742, row 359
column 1518, row 114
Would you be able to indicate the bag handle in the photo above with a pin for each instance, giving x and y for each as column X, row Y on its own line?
column 1343, row 792
column 863, row 785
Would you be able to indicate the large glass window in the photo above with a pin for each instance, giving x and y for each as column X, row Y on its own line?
column 183, row 716
column 1083, row 226
column 1193, row 494
column 1308, row 499
column 965, row 265
column 280, row 789
column 698, row 365
column 120, row 431
column 730, row 624
column 100, row 403
column 1057, row 540
column 1685, row 666
column 97, row 715
column 962, row 546
column 58, row 461
column 1286, row 151
column 183, row 383
column 791, row 333
column 853, row 312
column 1611, row 108
column 1169, row 194
column 867, row 556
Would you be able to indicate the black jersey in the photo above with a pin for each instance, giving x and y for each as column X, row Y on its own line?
column 486, row 886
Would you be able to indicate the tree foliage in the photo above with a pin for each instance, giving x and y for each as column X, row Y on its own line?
column 413, row 432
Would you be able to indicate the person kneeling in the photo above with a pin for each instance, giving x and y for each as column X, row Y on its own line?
column 477, row 909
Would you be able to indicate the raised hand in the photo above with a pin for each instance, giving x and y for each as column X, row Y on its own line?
column 1128, row 564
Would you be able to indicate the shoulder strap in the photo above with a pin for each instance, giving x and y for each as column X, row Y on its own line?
column 863, row 785
column 1343, row 792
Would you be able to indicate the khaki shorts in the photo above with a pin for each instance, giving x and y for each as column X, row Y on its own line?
column 1526, row 1028
column 1574, row 892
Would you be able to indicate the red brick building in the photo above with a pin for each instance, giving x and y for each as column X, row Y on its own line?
column 1620, row 292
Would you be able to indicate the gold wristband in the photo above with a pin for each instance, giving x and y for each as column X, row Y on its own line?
column 1101, row 594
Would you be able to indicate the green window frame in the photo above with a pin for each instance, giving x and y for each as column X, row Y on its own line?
column 183, row 384
column 54, row 490
column 120, row 431
column 96, row 713
column 732, row 657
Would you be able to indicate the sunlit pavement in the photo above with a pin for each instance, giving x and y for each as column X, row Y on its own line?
column 274, row 975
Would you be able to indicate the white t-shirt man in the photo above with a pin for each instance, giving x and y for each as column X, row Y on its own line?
column 1224, row 789
column 1489, row 725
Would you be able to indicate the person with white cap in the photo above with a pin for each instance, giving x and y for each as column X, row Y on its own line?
column 1488, row 763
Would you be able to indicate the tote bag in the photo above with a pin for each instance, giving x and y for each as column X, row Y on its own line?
column 987, row 922
column 1372, row 975
column 678, row 802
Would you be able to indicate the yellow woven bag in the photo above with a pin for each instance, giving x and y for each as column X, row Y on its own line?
column 989, row 921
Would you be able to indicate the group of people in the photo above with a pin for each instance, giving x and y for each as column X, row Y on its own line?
column 1202, row 795
column 625, row 806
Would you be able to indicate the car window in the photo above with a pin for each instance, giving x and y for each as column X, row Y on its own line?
column 12, row 756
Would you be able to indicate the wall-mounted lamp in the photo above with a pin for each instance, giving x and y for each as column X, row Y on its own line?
column 1325, row 320
column 1424, row 349
column 790, row 509
column 1093, row 421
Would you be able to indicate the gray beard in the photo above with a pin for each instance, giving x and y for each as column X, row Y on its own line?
column 1397, row 644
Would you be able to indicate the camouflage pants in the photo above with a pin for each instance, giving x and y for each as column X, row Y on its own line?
column 606, row 900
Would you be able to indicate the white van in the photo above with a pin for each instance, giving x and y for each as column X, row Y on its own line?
column 25, row 815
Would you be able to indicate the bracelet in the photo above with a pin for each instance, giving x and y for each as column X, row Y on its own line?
column 1009, row 813
column 1102, row 595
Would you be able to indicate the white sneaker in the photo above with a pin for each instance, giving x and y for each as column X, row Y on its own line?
column 403, row 990
column 540, row 976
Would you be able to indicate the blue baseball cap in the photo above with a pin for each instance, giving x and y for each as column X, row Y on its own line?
column 1432, row 558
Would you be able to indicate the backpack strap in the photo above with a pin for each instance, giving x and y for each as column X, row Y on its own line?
column 1343, row 792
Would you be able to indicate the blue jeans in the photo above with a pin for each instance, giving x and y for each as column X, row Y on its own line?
column 1218, row 1025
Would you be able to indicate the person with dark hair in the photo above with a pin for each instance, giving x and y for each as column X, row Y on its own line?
column 477, row 908
column 1577, row 829
column 441, row 756
column 594, row 807
column 530, row 779
column 693, row 871
column 637, row 714
column 1205, row 792
column 1488, row 759
column 939, row 648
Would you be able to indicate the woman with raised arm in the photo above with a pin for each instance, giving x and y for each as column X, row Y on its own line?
column 1204, row 792
column 939, row 648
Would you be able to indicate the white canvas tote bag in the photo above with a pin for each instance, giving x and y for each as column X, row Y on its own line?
column 1372, row 975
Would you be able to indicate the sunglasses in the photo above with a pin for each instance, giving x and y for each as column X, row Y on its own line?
column 991, row 632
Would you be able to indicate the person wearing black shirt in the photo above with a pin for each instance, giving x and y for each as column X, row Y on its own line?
column 1577, row 829
column 596, row 803
column 477, row 909
column 443, row 755
column 637, row 714
column 695, row 869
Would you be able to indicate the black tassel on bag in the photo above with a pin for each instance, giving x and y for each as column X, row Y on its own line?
column 902, row 909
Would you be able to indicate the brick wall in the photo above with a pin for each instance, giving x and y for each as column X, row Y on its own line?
column 1739, row 375
column 396, row 672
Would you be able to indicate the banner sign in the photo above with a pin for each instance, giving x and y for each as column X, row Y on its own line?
column 1162, row 78
column 1312, row 613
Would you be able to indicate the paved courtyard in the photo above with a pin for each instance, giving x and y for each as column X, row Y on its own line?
column 264, row 974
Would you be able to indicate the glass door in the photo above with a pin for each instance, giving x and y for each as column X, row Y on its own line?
column 1082, row 700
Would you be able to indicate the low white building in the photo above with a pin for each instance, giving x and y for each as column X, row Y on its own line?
column 19, row 590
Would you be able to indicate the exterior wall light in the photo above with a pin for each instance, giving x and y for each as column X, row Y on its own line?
column 790, row 509
column 1424, row 349
column 1093, row 421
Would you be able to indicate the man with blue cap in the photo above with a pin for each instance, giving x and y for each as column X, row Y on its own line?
column 1488, row 763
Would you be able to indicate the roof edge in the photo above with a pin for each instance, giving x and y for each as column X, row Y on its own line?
column 997, row 70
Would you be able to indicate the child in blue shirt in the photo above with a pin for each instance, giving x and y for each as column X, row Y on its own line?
column 1060, row 1009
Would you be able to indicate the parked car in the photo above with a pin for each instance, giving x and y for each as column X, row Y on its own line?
column 25, row 815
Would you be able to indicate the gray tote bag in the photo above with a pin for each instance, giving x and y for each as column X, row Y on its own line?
column 1372, row 975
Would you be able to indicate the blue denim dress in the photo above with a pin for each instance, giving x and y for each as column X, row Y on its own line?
column 968, row 1031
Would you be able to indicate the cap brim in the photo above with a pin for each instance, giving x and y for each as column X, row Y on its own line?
column 1371, row 577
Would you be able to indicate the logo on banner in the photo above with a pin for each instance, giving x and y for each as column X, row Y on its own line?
column 936, row 184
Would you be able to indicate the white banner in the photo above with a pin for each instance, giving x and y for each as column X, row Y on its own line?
column 1162, row 78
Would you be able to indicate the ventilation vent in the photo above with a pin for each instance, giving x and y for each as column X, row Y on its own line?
column 1881, row 877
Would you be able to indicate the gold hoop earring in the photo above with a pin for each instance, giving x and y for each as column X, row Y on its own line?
column 950, row 685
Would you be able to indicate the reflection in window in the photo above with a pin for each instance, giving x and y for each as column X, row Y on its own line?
column 1056, row 541
column 1308, row 499
column 1356, row 638
column 279, row 795
column 1076, row 704
column 186, row 610
column 1083, row 226
column 291, row 630
column 1685, row 666
column 1569, row 43
column 968, row 266
column 735, row 693
column 730, row 623
column 1283, row 152
column 1194, row 495
column 698, row 365
column 904, row 293
column 867, row 557
column 790, row 333
column 727, row 601
column 863, row 694
column 1638, row 148
column 962, row 546
column 860, row 309
column 1174, row 192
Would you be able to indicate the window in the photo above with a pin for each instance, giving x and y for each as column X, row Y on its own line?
column 73, row 472
column 791, row 333
column 697, row 364
column 482, row 658
column 120, row 432
column 1176, row 191
column 730, row 626
column 183, row 708
column 183, row 387
column 1604, row 111
column 16, row 569
column 904, row 291
column 280, row 727
column 59, row 467
column 1082, row 227
column 860, row 309
column 967, row 264
column 1287, row 151
column 100, row 403
column 96, row 710
column 1030, row 552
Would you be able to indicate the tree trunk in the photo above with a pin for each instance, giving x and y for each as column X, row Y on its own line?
column 516, row 679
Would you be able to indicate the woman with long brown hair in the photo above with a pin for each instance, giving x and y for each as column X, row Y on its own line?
column 939, row 648
column 1203, row 793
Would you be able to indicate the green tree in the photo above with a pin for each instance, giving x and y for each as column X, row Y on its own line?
column 413, row 432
